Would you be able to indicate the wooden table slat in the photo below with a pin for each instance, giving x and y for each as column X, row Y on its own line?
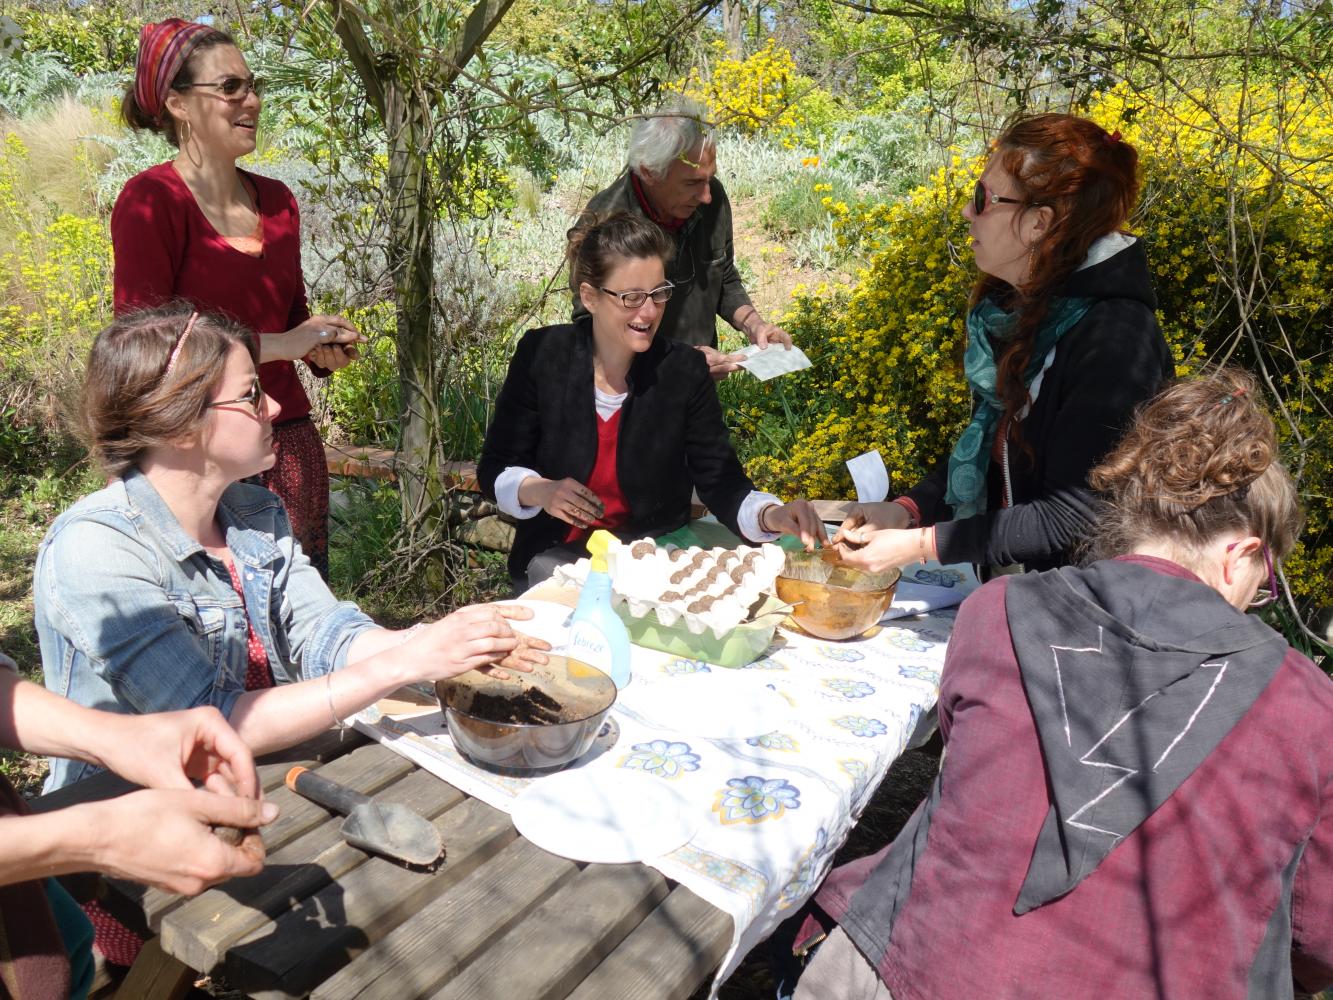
column 546, row 955
column 417, row 957
column 666, row 956
column 312, row 852
column 143, row 908
column 317, row 937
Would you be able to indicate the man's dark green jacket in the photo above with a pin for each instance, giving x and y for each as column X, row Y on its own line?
column 704, row 271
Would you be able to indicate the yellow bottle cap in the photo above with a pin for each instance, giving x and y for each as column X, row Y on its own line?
column 598, row 542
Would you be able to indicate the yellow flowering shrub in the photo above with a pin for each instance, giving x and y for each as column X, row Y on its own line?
column 762, row 93
column 887, row 352
column 55, row 273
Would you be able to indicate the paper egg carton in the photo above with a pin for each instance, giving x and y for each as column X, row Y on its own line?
column 702, row 589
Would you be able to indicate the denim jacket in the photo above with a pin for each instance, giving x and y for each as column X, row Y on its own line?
column 134, row 616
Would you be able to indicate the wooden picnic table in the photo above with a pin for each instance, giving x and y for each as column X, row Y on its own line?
column 500, row 918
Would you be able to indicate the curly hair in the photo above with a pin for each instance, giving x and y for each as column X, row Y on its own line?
column 1089, row 180
column 1200, row 459
column 131, row 403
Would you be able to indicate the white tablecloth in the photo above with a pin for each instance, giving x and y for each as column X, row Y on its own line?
column 774, row 807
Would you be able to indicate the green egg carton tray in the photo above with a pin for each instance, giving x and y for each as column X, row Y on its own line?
column 743, row 644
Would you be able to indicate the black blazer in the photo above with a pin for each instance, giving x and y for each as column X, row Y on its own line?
column 672, row 438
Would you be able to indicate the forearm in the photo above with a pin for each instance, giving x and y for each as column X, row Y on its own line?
column 279, row 347
column 279, row 717
column 373, row 642
column 46, row 844
column 41, row 722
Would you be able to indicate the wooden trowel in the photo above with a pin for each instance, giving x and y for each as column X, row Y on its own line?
column 392, row 830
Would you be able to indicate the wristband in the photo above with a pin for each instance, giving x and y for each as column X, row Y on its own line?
column 333, row 712
column 913, row 511
column 922, row 545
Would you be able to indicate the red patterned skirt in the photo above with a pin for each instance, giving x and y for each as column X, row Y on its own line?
column 301, row 477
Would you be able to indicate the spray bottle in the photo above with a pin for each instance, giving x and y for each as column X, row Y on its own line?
column 597, row 636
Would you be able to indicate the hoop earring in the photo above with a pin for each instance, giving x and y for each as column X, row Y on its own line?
column 183, row 133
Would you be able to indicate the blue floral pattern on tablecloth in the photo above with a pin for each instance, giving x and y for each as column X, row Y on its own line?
column 754, row 799
column 765, row 663
column 664, row 758
column 809, row 871
column 775, row 741
column 843, row 654
column 849, row 688
column 859, row 725
column 857, row 770
column 905, row 638
column 943, row 577
column 680, row 667
column 920, row 672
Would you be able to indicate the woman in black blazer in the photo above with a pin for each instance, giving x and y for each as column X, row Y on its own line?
column 600, row 424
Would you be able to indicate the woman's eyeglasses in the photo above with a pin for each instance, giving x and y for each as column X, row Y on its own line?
column 1264, row 596
column 233, row 89
column 983, row 196
column 255, row 397
column 636, row 297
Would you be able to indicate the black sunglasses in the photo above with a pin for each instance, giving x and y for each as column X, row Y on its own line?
column 234, row 88
column 983, row 196
column 254, row 397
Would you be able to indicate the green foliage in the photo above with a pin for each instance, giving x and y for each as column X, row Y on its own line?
column 887, row 352
column 806, row 200
column 1238, row 230
column 94, row 37
column 363, row 397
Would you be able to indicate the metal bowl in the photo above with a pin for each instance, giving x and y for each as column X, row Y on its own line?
column 511, row 727
column 832, row 600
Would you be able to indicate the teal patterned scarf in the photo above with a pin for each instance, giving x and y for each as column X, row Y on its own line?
column 987, row 325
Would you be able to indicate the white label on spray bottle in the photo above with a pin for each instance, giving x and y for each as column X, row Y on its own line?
column 588, row 644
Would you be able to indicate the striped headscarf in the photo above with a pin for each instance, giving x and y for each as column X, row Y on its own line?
column 163, row 49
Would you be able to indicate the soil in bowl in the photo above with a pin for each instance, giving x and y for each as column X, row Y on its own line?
column 530, row 707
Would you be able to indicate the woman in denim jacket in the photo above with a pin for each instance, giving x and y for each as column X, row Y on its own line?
column 179, row 585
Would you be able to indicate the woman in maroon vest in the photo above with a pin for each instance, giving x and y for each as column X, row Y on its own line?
column 601, row 423
column 199, row 228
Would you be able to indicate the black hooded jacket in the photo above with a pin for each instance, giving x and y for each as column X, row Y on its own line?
column 1112, row 361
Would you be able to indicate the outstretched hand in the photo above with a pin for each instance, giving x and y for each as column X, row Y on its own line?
column 174, row 749
column 475, row 638
column 797, row 518
column 165, row 838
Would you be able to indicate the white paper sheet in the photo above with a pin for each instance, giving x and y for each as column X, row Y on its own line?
column 870, row 477
column 772, row 361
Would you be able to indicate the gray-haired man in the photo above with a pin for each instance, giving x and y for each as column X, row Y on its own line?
column 671, row 179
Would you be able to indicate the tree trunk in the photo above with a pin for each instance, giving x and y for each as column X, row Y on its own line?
column 733, row 26
column 406, row 112
column 412, row 266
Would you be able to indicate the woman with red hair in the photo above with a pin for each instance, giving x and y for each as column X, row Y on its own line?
column 1063, row 346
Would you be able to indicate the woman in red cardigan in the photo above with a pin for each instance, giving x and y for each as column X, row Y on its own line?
column 199, row 228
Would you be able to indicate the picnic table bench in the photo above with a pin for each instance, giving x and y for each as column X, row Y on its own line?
column 499, row 917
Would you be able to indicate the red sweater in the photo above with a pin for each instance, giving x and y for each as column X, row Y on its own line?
column 166, row 248
column 605, row 481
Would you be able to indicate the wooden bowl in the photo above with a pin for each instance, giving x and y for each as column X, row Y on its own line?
column 844, row 607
